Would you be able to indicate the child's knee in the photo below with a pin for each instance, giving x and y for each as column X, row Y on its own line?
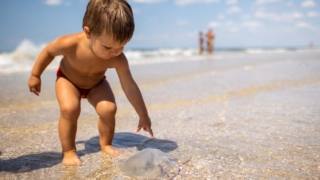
column 106, row 109
column 70, row 110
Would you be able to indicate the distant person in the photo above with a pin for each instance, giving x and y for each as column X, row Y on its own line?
column 210, row 41
column 201, row 43
column 107, row 27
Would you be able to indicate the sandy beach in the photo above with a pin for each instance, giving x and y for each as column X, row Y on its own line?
column 231, row 116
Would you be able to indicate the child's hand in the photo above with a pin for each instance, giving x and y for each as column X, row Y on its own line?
column 145, row 124
column 34, row 84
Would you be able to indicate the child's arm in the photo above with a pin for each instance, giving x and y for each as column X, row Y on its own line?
column 54, row 48
column 133, row 94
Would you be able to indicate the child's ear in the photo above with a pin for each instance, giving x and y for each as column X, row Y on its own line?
column 86, row 30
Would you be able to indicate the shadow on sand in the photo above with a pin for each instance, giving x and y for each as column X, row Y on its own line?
column 36, row 161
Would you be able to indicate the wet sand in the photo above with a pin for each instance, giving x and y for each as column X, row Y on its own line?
column 230, row 116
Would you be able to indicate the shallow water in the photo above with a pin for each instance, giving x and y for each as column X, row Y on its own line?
column 251, row 116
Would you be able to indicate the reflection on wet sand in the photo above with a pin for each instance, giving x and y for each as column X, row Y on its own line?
column 121, row 140
column 222, row 98
column 244, row 116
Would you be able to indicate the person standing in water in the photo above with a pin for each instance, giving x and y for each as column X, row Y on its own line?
column 201, row 43
column 210, row 41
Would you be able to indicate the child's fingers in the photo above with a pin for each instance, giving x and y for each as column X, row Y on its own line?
column 35, row 91
column 37, row 87
column 151, row 132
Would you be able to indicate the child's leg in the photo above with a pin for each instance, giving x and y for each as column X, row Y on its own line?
column 69, row 102
column 102, row 99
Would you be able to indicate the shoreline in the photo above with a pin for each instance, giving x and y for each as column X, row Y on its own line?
column 249, row 116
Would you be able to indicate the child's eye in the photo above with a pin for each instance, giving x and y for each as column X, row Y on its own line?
column 107, row 48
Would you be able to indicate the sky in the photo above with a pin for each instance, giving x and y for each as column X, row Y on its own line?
column 172, row 23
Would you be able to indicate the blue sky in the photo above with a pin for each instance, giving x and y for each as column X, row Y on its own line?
column 173, row 23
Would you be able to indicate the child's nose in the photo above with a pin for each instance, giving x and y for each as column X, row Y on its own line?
column 116, row 52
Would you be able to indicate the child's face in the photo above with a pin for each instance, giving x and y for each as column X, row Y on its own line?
column 105, row 47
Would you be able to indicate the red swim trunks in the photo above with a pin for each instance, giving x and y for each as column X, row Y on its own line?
column 83, row 92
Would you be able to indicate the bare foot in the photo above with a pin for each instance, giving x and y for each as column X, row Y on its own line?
column 110, row 150
column 70, row 158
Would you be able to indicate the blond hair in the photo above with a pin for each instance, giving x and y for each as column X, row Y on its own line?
column 114, row 17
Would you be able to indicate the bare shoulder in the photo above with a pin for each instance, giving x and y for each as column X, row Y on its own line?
column 121, row 62
column 61, row 45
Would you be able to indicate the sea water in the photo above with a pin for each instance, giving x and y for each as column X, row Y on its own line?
column 22, row 58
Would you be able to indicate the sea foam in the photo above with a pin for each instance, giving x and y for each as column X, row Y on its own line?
column 22, row 58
